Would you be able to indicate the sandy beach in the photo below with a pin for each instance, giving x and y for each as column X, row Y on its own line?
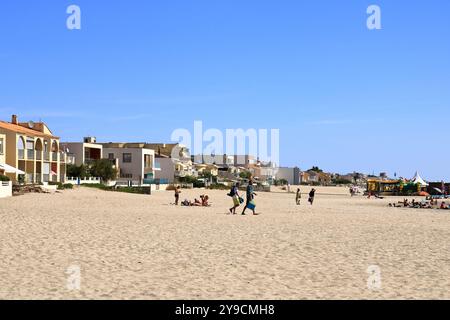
column 141, row 247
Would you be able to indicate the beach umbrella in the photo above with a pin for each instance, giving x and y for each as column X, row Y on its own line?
column 418, row 180
column 10, row 169
column 438, row 190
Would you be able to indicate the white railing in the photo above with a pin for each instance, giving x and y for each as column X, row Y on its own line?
column 91, row 180
column 5, row 189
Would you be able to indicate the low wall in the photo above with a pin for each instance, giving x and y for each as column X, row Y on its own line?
column 5, row 189
column 159, row 187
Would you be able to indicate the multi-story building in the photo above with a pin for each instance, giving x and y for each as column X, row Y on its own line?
column 174, row 160
column 3, row 167
column 245, row 161
column 315, row 178
column 83, row 152
column 136, row 163
column 219, row 160
column 291, row 175
column 202, row 169
column 33, row 149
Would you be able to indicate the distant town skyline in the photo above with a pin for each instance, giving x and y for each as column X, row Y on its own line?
column 345, row 98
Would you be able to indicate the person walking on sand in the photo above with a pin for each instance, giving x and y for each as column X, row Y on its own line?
column 312, row 194
column 250, row 196
column 177, row 195
column 234, row 194
column 298, row 196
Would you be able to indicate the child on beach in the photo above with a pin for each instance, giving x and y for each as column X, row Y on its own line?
column 177, row 194
column 298, row 196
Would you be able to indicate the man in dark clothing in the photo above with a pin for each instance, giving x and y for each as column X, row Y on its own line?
column 250, row 195
column 312, row 194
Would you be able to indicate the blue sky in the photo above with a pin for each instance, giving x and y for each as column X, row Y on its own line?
column 345, row 98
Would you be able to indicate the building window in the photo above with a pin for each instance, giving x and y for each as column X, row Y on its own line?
column 1, row 145
column 148, row 160
column 111, row 156
column 127, row 158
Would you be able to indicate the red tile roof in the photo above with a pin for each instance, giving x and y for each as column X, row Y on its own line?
column 19, row 129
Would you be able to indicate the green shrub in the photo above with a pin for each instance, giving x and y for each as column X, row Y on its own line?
column 219, row 186
column 4, row 178
column 342, row 181
column 75, row 171
column 104, row 169
column 98, row 186
column 187, row 179
column 60, row 185
column 198, row 184
column 245, row 175
column 135, row 190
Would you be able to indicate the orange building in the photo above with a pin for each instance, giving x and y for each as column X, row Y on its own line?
column 33, row 150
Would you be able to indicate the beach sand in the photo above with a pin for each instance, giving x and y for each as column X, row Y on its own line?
column 141, row 247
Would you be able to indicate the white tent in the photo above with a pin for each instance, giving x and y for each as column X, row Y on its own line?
column 10, row 169
column 418, row 179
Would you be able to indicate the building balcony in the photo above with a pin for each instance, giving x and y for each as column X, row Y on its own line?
column 148, row 170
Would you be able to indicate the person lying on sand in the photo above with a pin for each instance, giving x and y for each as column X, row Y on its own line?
column 197, row 203
column 203, row 202
column 186, row 203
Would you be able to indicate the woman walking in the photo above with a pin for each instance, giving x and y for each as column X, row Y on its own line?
column 250, row 196
column 234, row 194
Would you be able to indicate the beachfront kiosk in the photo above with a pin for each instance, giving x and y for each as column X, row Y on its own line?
column 396, row 187
column 383, row 187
